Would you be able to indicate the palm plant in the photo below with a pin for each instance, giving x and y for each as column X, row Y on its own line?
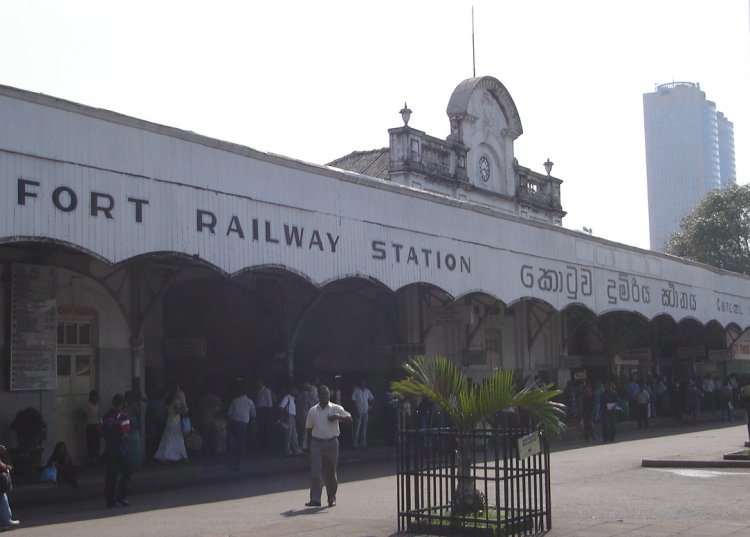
column 469, row 405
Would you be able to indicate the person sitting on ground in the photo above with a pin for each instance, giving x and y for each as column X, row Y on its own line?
column 63, row 464
column 6, row 516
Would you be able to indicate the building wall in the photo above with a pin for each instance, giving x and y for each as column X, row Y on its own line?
column 113, row 370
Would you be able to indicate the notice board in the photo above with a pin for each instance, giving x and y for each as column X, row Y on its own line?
column 33, row 339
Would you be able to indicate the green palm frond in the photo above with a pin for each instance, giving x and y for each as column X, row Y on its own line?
column 441, row 381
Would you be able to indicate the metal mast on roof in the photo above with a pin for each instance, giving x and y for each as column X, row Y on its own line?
column 473, row 54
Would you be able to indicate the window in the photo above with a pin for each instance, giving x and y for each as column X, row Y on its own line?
column 74, row 333
column 63, row 365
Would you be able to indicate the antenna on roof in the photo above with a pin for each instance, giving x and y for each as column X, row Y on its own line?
column 473, row 54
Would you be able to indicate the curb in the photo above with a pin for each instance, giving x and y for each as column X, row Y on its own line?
column 661, row 463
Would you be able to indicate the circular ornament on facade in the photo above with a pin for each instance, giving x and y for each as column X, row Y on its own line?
column 484, row 168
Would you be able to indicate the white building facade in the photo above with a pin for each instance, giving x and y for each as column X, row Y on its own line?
column 136, row 255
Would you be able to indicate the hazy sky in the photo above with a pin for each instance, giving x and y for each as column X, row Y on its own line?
column 318, row 80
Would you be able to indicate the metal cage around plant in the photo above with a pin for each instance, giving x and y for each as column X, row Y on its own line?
column 514, row 489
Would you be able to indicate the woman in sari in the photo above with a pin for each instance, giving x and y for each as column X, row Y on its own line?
column 172, row 445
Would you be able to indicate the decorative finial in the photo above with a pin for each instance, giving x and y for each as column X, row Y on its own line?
column 405, row 114
column 548, row 166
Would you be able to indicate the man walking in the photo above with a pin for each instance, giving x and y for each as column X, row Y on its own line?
column 288, row 407
column 323, row 435
column 362, row 398
column 115, row 428
column 264, row 404
column 209, row 408
column 241, row 410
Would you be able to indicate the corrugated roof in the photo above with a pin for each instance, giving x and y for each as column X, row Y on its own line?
column 374, row 163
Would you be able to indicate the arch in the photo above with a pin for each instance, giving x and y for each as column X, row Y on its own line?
column 458, row 104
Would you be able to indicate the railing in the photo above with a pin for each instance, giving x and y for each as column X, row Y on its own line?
column 514, row 492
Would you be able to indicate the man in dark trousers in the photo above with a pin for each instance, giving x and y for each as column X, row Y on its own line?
column 115, row 429
column 323, row 435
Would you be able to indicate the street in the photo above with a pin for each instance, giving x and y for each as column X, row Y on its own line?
column 589, row 483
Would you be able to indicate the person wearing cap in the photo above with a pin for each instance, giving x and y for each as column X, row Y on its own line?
column 323, row 438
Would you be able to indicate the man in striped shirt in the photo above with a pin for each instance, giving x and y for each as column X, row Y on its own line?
column 240, row 411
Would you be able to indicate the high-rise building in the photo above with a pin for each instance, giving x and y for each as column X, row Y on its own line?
column 726, row 150
column 689, row 151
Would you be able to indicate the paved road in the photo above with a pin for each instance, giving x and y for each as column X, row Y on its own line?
column 597, row 490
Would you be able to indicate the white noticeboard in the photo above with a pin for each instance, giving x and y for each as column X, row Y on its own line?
column 33, row 337
column 529, row 445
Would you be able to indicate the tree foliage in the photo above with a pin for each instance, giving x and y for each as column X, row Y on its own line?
column 468, row 405
column 717, row 231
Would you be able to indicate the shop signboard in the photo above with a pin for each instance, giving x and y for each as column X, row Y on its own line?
column 741, row 349
column 185, row 347
column 719, row 355
column 691, row 353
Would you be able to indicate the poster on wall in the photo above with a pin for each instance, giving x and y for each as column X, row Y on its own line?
column 33, row 336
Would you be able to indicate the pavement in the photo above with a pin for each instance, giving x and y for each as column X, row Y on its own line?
column 153, row 477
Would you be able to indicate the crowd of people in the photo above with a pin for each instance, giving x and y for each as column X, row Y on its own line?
column 641, row 399
column 253, row 419
column 293, row 420
column 249, row 418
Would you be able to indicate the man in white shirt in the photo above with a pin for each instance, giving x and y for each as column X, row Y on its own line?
column 239, row 413
column 362, row 398
column 289, row 408
column 264, row 404
column 323, row 438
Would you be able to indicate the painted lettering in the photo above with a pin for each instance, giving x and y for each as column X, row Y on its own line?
column 205, row 219
column 378, row 250
column 572, row 281
column 58, row 198
column 23, row 193
column 269, row 237
column 315, row 240
column 412, row 257
column 235, row 227
column 332, row 242
column 65, row 199
column 397, row 249
column 293, row 234
column 139, row 203
column 106, row 209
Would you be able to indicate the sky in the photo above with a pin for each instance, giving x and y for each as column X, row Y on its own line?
column 316, row 80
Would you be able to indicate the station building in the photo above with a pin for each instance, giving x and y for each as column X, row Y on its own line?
column 135, row 255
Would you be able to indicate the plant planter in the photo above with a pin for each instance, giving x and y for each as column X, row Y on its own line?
column 26, row 461
column 484, row 525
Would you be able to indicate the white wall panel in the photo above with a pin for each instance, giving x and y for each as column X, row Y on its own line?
column 346, row 225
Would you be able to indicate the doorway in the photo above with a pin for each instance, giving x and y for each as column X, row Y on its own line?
column 76, row 377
